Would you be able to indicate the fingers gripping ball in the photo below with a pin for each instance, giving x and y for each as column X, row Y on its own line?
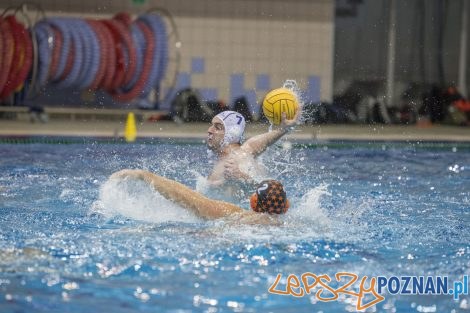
column 278, row 101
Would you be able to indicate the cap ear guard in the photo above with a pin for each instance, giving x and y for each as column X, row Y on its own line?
column 254, row 201
column 234, row 125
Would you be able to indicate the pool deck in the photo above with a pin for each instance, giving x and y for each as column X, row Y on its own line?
column 198, row 131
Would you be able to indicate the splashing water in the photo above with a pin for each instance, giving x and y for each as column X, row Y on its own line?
column 137, row 200
column 292, row 86
column 309, row 206
column 71, row 240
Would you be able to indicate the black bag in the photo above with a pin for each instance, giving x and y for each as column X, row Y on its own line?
column 241, row 106
column 188, row 107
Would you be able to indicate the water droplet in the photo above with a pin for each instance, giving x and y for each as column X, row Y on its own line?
column 464, row 304
column 70, row 286
column 65, row 296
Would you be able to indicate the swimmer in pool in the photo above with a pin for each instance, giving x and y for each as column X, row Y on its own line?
column 269, row 197
column 236, row 169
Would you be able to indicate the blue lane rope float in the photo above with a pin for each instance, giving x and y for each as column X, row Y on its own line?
column 83, row 54
column 140, row 43
column 104, row 54
column 43, row 33
column 59, row 24
column 174, row 41
column 156, row 74
column 163, row 47
column 91, row 52
column 72, row 33
column 153, row 75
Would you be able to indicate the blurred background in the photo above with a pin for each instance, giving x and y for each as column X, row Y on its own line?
column 355, row 61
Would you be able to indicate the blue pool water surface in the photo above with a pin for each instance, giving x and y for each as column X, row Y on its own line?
column 72, row 242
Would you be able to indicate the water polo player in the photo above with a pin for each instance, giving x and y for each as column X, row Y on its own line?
column 236, row 170
column 269, row 198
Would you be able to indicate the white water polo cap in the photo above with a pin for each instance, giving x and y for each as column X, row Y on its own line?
column 234, row 124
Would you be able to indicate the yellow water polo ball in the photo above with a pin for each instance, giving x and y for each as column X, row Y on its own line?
column 278, row 101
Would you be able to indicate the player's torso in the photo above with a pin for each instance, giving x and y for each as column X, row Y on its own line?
column 246, row 164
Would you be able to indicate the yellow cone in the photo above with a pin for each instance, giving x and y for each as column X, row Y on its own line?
column 130, row 133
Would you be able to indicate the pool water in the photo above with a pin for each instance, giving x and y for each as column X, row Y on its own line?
column 72, row 242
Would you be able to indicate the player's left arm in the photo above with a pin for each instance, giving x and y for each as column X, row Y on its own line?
column 183, row 195
column 258, row 144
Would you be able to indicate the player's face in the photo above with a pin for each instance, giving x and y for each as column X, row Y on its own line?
column 215, row 134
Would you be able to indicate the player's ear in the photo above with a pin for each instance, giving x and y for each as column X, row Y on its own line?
column 287, row 204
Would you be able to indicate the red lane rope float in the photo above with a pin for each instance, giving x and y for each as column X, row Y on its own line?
column 148, row 59
column 26, row 62
column 104, row 52
column 17, row 48
column 118, row 49
column 107, row 80
column 8, row 50
column 57, row 42
column 126, row 42
column 125, row 20
column 2, row 38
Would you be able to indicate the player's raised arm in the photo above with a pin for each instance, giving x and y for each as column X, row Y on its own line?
column 258, row 144
column 281, row 107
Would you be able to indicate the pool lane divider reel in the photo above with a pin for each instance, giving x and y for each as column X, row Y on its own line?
column 16, row 52
column 124, row 57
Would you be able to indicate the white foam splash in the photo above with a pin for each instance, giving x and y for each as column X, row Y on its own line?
column 309, row 206
column 306, row 219
column 291, row 84
column 202, row 183
column 137, row 200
